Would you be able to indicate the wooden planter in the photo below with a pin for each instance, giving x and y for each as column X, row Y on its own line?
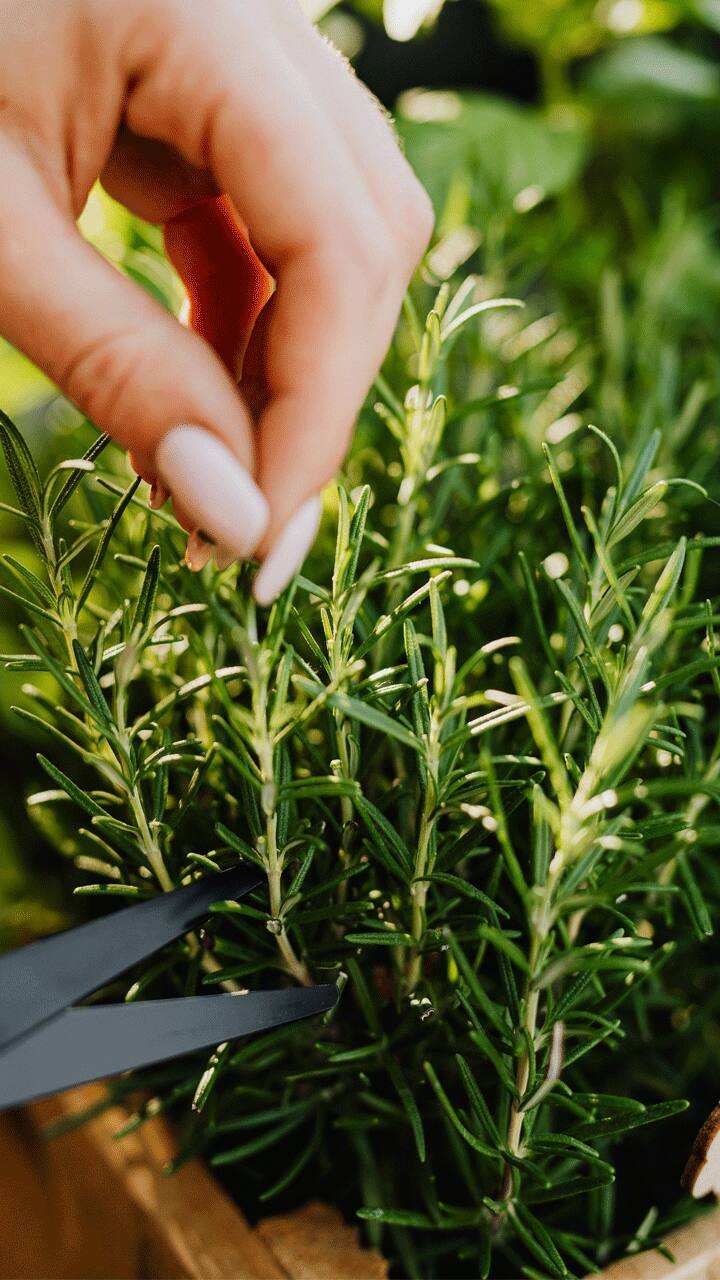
column 88, row 1207
column 696, row 1249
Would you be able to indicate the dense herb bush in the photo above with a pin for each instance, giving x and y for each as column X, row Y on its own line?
column 474, row 749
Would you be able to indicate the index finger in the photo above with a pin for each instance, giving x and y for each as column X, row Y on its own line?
column 315, row 225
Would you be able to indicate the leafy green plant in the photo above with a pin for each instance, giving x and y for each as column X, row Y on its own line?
column 474, row 751
column 560, row 34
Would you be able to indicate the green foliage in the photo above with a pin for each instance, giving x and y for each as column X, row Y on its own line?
column 474, row 750
column 638, row 44
column 508, row 154
column 567, row 29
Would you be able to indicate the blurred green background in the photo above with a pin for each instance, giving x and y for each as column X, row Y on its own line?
column 570, row 149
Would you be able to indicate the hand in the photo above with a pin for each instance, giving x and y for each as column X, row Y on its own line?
column 232, row 124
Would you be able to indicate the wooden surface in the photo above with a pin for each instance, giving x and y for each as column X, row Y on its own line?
column 87, row 1206
column 696, row 1249
column 316, row 1244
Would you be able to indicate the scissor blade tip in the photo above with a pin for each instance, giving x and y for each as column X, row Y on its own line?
column 247, row 875
column 317, row 999
column 236, row 883
column 331, row 990
column 328, row 994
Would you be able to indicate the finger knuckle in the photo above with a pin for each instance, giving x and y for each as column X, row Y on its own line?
column 373, row 253
column 352, row 258
column 100, row 375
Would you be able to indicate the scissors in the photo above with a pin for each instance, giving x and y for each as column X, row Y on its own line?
column 47, row 1045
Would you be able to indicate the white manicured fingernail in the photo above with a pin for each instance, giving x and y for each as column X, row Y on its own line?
column 224, row 558
column 209, row 483
column 199, row 551
column 158, row 496
column 286, row 556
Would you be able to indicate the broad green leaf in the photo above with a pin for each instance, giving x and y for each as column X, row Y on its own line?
column 506, row 149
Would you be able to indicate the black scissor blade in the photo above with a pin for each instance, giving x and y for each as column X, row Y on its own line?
column 103, row 1040
column 39, row 980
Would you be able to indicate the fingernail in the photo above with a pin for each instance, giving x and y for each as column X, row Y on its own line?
column 158, row 496
column 286, row 556
column 199, row 550
column 208, row 482
column 224, row 558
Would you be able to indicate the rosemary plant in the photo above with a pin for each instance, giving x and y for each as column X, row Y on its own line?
column 474, row 750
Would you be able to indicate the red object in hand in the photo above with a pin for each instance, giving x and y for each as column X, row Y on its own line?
column 226, row 282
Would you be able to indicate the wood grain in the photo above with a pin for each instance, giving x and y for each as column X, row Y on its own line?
column 87, row 1206
column 696, row 1249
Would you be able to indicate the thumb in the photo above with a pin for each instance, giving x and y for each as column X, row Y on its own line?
column 156, row 387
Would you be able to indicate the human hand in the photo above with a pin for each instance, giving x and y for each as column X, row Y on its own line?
column 208, row 119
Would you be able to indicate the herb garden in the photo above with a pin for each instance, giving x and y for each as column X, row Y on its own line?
column 474, row 749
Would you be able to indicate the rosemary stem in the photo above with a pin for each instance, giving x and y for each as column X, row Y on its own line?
column 291, row 961
column 522, row 1076
column 150, row 845
column 419, row 892
column 68, row 622
column 403, row 538
column 273, row 856
column 539, row 931
column 346, row 805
